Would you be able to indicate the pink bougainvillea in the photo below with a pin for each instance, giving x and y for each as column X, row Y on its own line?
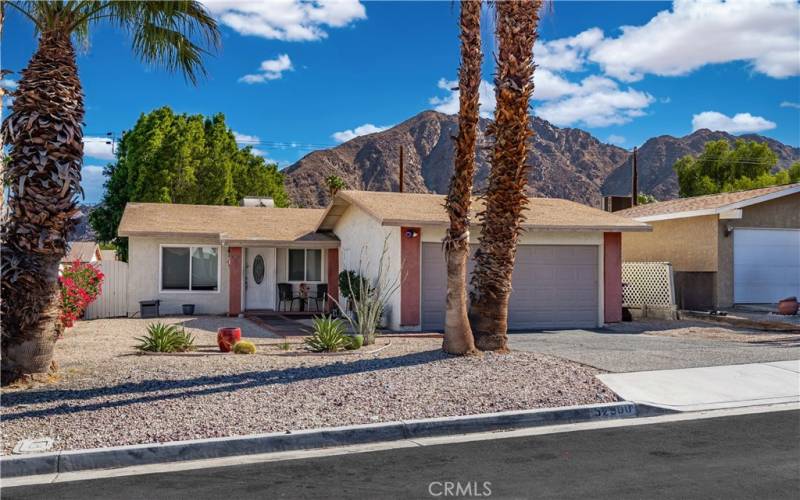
column 81, row 283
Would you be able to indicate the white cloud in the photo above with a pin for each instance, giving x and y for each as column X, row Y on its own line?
column 598, row 102
column 100, row 148
column 245, row 139
column 287, row 20
column 548, row 85
column 615, row 139
column 367, row 128
column 270, row 69
column 696, row 33
column 92, row 180
column 739, row 123
column 449, row 104
column 790, row 104
column 7, row 83
column 566, row 54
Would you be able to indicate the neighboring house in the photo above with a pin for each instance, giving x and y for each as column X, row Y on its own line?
column 82, row 251
column 728, row 248
column 108, row 255
column 568, row 271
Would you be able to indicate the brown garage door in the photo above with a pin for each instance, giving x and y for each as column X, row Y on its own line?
column 555, row 286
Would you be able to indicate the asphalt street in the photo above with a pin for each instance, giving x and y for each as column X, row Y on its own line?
column 744, row 456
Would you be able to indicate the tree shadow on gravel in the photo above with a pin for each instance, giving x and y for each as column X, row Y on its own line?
column 198, row 386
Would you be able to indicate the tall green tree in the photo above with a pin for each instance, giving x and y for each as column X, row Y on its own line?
column 44, row 134
column 171, row 158
column 721, row 168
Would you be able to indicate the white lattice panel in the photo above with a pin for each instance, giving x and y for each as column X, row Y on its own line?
column 647, row 284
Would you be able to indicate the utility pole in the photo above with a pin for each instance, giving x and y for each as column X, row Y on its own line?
column 635, row 180
column 401, row 168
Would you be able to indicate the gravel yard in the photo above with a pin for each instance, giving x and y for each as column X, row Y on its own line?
column 106, row 395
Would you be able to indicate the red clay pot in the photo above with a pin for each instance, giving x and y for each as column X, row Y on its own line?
column 226, row 337
column 788, row 306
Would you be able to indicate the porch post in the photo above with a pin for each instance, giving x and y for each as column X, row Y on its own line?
column 612, row 277
column 333, row 277
column 410, row 255
column 234, row 281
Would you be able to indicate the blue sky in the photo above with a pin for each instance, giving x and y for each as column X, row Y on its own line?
column 294, row 77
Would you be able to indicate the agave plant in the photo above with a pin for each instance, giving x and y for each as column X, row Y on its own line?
column 329, row 335
column 165, row 338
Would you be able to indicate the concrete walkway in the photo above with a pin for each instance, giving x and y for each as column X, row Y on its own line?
column 714, row 387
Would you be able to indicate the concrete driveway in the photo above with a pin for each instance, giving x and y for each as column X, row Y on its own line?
column 628, row 352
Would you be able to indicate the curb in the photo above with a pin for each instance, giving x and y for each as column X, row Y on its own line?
column 125, row 456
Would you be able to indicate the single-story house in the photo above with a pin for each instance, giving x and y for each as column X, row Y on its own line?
column 82, row 251
column 231, row 259
column 725, row 249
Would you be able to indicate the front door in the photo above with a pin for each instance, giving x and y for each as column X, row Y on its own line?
column 260, row 279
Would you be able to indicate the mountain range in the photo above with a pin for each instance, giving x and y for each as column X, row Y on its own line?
column 566, row 162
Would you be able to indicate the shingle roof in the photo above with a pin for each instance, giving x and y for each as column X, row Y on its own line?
column 82, row 251
column 542, row 213
column 705, row 204
column 225, row 222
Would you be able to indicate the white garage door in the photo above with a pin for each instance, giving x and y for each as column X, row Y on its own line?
column 554, row 286
column 766, row 265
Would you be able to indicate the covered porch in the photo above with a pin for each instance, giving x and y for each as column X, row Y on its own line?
column 290, row 278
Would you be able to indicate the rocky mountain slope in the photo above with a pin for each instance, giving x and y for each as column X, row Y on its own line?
column 568, row 163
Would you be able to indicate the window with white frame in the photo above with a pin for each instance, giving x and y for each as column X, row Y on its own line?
column 305, row 264
column 190, row 268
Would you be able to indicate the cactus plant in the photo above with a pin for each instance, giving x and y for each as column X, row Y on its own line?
column 244, row 347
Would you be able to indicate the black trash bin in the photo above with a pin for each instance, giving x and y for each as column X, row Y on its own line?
column 149, row 308
column 188, row 309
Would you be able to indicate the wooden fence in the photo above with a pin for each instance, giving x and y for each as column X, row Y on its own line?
column 113, row 300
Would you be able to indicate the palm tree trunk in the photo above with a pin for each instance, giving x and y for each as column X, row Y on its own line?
column 457, row 332
column 43, row 172
column 517, row 22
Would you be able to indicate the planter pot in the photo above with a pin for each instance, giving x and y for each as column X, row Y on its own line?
column 226, row 337
column 788, row 306
column 188, row 309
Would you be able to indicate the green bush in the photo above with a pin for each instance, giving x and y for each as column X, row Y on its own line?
column 351, row 284
column 165, row 338
column 329, row 335
column 244, row 347
column 284, row 346
column 356, row 341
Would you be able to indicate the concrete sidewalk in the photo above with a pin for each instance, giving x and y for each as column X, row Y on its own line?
column 714, row 387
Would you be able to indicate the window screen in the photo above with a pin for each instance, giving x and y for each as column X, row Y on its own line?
column 297, row 263
column 174, row 268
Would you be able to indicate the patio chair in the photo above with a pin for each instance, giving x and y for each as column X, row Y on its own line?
column 285, row 295
column 321, row 297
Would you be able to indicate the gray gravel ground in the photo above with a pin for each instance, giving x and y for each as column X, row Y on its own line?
column 108, row 396
column 660, row 345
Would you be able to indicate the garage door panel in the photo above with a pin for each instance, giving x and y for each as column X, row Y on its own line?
column 766, row 264
column 553, row 286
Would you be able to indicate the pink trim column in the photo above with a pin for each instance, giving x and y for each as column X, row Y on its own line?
column 333, row 276
column 234, row 281
column 612, row 276
column 410, row 255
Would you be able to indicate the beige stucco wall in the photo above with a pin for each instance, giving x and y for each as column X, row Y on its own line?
column 781, row 213
column 143, row 277
column 690, row 244
column 362, row 239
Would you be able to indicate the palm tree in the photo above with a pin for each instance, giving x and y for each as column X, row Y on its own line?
column 505, row 199
column 457, row 332
column 335, row 184
column 44, row 135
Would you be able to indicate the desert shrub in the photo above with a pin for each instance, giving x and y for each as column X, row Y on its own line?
column 244, row 347
column 165, row 338
column 329, row 335
column 284, row 346
column 356, row 341
column 351, row 284
column 80, row 284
